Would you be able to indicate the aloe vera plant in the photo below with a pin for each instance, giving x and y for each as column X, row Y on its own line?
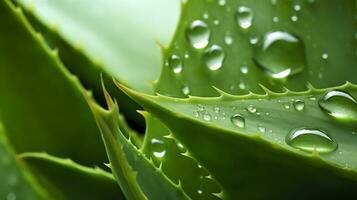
column 254, row 100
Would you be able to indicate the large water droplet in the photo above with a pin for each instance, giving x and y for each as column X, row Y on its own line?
column 198, row 34
column 238, row 120
column 299, row 105
column 214, row 57
column 175, row 64
column 158, row 148
column 244, row 17
column 280, row 55
column 310, row 140
column 339, row 104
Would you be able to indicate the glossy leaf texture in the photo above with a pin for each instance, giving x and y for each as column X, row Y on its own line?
column 237, row 45
column 137, row 175
column 257, row 160
column 90, row 43
column 16, row 181
column 41, row 103
column 69, row 180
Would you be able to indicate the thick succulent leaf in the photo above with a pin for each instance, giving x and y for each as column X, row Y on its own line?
column 254, row 161
column 69, row 180
column 118, row 35
column 41, row 104
column 16, row 181
column 170, row 155
column 137, row 175
column 289, row 37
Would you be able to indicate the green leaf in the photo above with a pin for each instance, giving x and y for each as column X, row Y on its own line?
column 16, row 181
column 41, row 104
column 137, row 175
column 255, row 161
column 69, row 180
column 170, row 155
column 121, row 42
column 313, row 55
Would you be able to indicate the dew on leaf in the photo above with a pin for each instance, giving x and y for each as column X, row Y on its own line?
column 274, row 55
column 339, row 104
column 207, row 117
column 244, row 69
column 252, row 109
column 299, row 105
column 238, row 120
column 311, row 140
column 185, row 89
column 261, row 129
column 244, row 17
column 175, row 64
column 198, row 34
column 214, row 57
column 158, row 148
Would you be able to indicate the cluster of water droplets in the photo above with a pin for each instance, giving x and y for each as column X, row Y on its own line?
column 337, row 104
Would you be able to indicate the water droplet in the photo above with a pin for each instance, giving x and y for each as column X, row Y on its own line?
column 244, row 69
column 312, row 98
column 253, row 40
column 276, row 19
column 196, row 114
column 207, row 117
column 175, row 64
column 185, row 89
column 339, row 104
column 216, row 109
column 310, row 140
column 294, row 18
column 228, row 40
column 286, row 105
column 205, row 15
column 274, row 55
column 199, row 191
column 216, row 22
column 158, row 148
column 186, row 55
column 324, row 56
column 261, row 129
column 221, row 2
column 244, row 17
column 252, row 109
column 214, row 57
column 241, row 85
column 198, row 34
column 238, row 120
column 299, row 105
column 297, row 7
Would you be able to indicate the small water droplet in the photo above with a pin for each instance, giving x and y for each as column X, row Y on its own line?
column 312, row 98
column 238, row 120
column 196, row 114
column 244, row 17
column 187, row 55
column 216, row 109
column 158, row 148
column 198, row 34
column 297, row 7
column 252, row 109
column 175, row 64
column 214, row 57
column 273, row 55
column 299, row 105
column 244, row 69
column 261, row 129
column 286, row 105
column 311, row 140
column 216, row 22
column 205, row 15
column 253, row 40
column 294, row 18
column 200, row 192
column 276, row 19
column 221, row 2
column 228, row 40
column 207, row 117
column 339, row 104
column 185, row 89
column 324, row 56
column 241, row 85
